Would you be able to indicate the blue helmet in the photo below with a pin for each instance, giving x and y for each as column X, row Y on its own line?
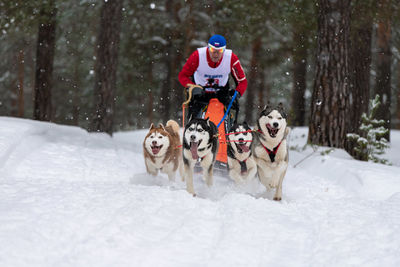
column 217, row 41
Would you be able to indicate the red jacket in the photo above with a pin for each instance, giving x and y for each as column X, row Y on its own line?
column 193, row 62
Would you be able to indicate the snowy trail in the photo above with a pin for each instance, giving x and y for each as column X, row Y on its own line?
column 69, row 198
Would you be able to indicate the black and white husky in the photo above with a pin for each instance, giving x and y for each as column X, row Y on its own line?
column 241, row 164
column 200, row 144
column 271, row 149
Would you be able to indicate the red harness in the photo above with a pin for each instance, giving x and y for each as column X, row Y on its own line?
column 271, row 153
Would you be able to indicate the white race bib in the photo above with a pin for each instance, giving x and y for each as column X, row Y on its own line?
column 207, row 76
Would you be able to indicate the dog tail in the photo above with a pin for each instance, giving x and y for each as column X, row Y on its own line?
column 174, row 126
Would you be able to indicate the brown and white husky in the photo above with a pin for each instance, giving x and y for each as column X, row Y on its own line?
column 162, row 150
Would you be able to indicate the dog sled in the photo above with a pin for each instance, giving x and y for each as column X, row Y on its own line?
column 223, row 116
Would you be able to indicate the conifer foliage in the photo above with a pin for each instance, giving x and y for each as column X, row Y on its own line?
column 371, row 144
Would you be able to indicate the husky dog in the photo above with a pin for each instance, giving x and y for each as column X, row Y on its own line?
column 271, row 149
column 241, row 163
column 200, row 143
column 162, row 150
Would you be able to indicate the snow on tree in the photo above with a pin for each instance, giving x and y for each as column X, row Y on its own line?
column 371, row 143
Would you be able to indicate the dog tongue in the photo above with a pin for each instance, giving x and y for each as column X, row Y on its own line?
column 193, row 149
column 273, row 131
column 244, row 148
column 155, row 150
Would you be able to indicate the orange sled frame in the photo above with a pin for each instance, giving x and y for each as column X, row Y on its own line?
column 215, row 111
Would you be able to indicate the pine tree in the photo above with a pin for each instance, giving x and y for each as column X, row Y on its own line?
column 372, row 143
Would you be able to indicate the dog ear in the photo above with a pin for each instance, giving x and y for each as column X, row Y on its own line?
column 162, row 126
column 267, row 105
column 208, row 121
column 190, row 117
column 282, row 110
column 245, row 124
column 234, row 125
column 152, row 126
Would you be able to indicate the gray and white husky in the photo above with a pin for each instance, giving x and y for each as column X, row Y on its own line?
column 271, row 149
column 200, row 144
column 241, row 164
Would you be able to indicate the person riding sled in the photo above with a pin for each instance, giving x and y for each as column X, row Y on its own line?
column 207, row 72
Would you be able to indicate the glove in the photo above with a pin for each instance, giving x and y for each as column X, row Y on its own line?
column 238, row 95
column 232, row 92
column 197, row 91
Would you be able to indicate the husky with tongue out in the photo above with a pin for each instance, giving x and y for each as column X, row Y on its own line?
column 162, row 150
column 200, row 144
column 241, row 164
column 270, row 148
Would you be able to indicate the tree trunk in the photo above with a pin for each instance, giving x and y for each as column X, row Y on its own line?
column 190, row 29
column 263, row 92
column 106, row 66
column 361, row 51
column 398, row 95
column 150, row 107
column 166, row 85
column 76, row 82
column 383, row 74
column 166, row 88
column 189, row 24
column 361, row 36
column 44, row 62
column 253, row 78
column 330, row 99
column 176, row 91
column 172, row 60
column 299, row 78
column 21, row 67
column 17, row 100
column 76, row 93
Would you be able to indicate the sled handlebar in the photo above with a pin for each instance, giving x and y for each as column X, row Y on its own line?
column 190, row 91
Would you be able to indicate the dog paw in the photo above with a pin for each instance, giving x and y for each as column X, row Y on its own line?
column 191, row 192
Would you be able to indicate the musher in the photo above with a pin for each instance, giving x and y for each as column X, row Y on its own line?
column 211, row 67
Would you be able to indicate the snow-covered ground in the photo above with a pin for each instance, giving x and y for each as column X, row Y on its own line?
column 70, row 198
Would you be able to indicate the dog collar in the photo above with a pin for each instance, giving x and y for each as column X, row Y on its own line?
column 204, row 148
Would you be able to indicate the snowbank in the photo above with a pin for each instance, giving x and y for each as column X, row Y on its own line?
column 72, row 198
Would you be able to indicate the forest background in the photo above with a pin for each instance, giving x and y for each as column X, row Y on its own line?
column 113, row 65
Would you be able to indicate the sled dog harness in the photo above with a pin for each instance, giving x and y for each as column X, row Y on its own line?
column 271, row 153
column 243, row 166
